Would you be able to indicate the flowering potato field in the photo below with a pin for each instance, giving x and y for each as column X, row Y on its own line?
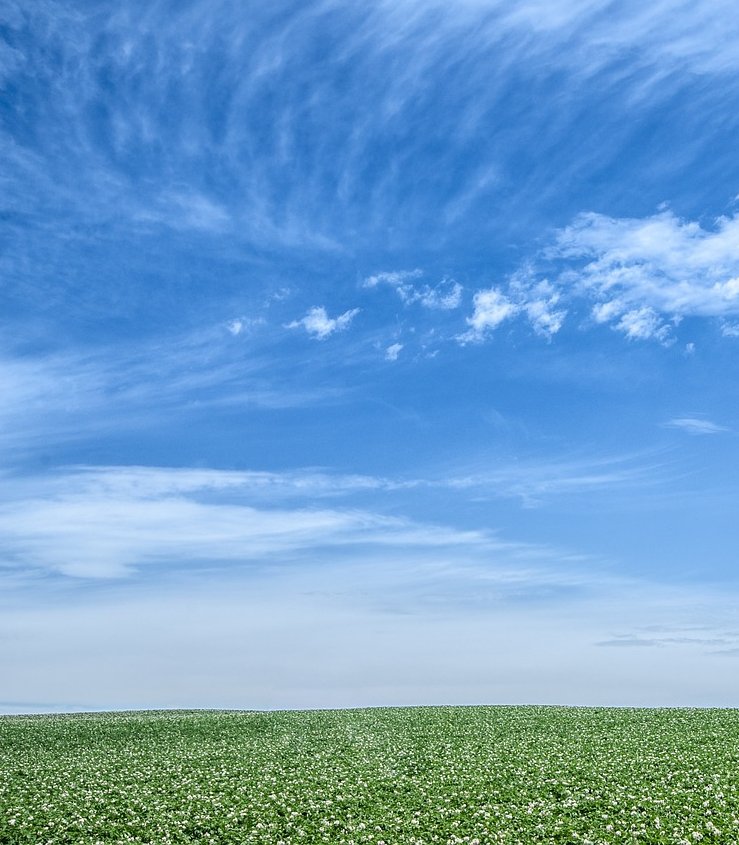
column 396, row 775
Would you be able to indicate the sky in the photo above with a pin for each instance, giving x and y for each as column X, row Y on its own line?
column 359, row 354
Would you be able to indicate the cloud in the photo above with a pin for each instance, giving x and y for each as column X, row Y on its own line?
column 112, row 522
column 239, row 325
column 691, row 425
column 641, row 276
column 396, row 278
column 142, row 482
column 629, row 642
column 392, row 352
column 669, row 34
column 317, row 322
column 138, row 576
column 187, row 211
column 87, row 392
column 642, row 324
column 536, row 300
column 445, row 296
column 533, row 482
column 186, row 151
column 545, row 321
column 645, row 272
column 107, row 523
column 491, row 308
column 529, row 481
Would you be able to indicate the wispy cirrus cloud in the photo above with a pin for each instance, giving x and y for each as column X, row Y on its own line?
column 107, row 522
column 531, row 481
column 60, row 397
column 191, row 210
column 535, row 482
column 303, row 174
column 696, row 425
column 676, row 31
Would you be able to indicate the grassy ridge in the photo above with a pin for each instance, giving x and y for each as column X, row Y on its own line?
column 391, row 775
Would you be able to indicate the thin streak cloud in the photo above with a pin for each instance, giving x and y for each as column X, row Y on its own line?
column 109, row 522
column 693, row 425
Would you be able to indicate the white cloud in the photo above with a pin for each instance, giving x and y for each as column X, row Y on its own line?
column 395, row 278
column 652, row 43
column 55, row 398
column 143, row 483
column 108, row 522
column 642, row 324
column 239, row 325
column 669, row 34
column 444, row 296
column 605, row 311
column 544, row 320
column 317, row 322
column 491, row 308
column 533, row 482
column 392, row 352
column 644, row 272
column 693, row 425
column 105, row 523
column 529, row 481
column 537, row 300
column 641, row 276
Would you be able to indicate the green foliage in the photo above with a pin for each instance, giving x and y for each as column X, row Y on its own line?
column 448, row 775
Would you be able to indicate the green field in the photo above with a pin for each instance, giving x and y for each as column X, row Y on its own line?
column 389, row 775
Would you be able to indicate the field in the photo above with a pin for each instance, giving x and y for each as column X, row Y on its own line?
column 397, row 775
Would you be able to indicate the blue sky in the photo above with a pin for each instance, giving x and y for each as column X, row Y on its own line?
column 379, row 353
